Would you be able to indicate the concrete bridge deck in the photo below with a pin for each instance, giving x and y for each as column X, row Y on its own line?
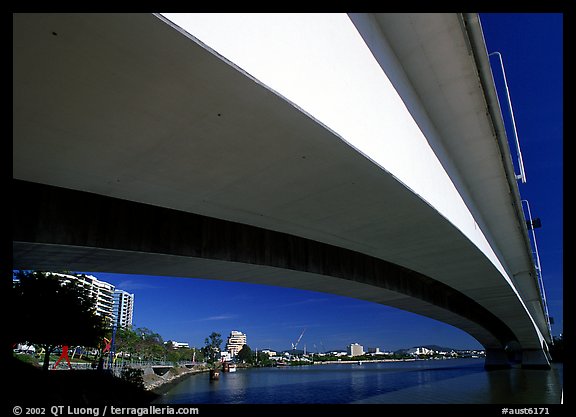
column 144, row 150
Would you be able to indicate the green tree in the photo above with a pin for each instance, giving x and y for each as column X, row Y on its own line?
column 211, row 349
column 197, row 354
column 185, row 354
column 176, row 355
column 127, row 341
column 245, row 354
column 150, row 345
column 50, row 311
column 172, row 354
column 262, row 359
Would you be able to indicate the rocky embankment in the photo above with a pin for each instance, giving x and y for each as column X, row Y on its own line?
column 161, row 383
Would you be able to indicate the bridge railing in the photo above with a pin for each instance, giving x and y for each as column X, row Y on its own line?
column 536, row 258
column 522, row 176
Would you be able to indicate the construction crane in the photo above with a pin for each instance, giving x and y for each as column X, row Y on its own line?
column 295, row 345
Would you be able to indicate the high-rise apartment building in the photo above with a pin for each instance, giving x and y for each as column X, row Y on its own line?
column 115, row 305
column 355, row 350
column 235, row 342
column 101, row 292
column 123, row 308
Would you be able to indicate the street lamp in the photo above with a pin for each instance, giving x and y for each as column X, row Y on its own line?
column 112, row 346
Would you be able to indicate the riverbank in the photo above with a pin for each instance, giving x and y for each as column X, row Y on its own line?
column 159, row 384
column 27, row 384
column 90, row 386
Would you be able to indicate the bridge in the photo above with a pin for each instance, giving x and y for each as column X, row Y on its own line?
column 363, row 155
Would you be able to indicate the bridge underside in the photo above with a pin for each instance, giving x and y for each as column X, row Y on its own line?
column 60, row 229
column 183, row 165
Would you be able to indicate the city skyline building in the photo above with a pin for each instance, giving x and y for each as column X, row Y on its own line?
column 115, row 305
column 235, row 342
column 178, row 345
column 355, row 349
column 123, row 308
column 421, row 350
column 101, row 292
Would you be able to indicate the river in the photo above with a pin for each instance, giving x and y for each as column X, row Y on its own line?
column 456, row 381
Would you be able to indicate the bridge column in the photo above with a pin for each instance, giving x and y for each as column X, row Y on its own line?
column 496, row 359
column 535, row 359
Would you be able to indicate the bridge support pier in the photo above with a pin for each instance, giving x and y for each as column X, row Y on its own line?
column 496, row 359
column 535, row 359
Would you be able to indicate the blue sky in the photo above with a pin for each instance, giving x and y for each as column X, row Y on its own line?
column 188, row 310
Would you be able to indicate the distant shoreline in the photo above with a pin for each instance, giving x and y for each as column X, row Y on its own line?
column 366, row 361
column 348, row 361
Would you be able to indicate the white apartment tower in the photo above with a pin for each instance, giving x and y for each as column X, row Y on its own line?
column 101, row 292
column 355, row 349
column 235, row 342
column 123, row 308
column 115, row 305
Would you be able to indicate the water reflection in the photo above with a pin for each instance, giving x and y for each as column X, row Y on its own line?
column 429, row 382
column 525, row 386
